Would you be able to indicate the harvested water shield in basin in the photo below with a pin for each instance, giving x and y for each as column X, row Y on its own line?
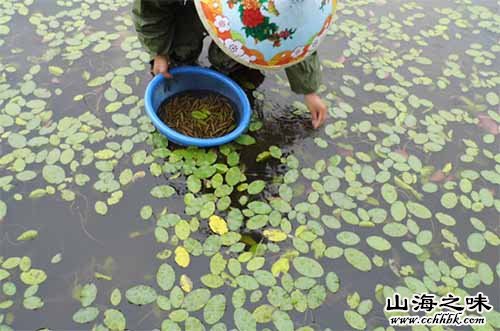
column 200, row 114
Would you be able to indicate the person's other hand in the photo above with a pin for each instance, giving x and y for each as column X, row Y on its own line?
column 160, row 66
column 317, row 108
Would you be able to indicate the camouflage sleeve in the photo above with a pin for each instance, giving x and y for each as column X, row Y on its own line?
column 154, row 23
column 305, row 77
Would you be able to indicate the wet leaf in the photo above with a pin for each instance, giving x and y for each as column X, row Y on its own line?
column 56, row 258
column 307, row 267
column 449, row 200
column 280, row 266
column 275, row 235
column 33, row 277
column 141, row 295
column 56, row 71
column 233, row 176
column 53, row 174
column 492, row 98
column 316, row 296
column 3, row 209
column 88, row 294
column 214, row 309
column 114, row 320
column 101, row 208
column 256, row 187
column 196, row 299
column 218, row 225
column 162, row 192
column 186, row 283
column 27, row 235
column 398, row 211
column 245, row 140
column 165, row 277
column 244, row 320
column 182, row 257
column 389, row 193
column 16, row 140
column 85, row 315
column 378, row 243
column 332, row 282
column 355, row 320
column 348, row 238
column 476, row 242
column 282, row 321
column 418, row 210
column 33, row 303
column 357, row 259
column 116, row 297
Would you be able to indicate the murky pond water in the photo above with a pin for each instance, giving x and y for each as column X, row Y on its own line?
column 398, row 192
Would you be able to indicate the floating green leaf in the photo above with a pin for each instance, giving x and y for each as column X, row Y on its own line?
column 476, row 242
column 114, row 320
column 53, row 174
column 378, row 243
column 88, row 294
column 214, row 309
column 165, row 277
column 86, row 315
column 355, row 320
column 357, row 259
column 418, row 210
column 141, row 295
column 33, row 277
column 256, row 187
column 244, row 320
column 28, row 235
column 162, row 191
column 307, row 267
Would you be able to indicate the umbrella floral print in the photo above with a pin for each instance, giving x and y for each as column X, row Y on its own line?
column 257, row 25
column 257, row 34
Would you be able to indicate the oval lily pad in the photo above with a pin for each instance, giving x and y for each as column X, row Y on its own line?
column 378, row 243
column 307, row 267
column 114, row 320
column 165, row 277
column 141, row 295
column 244, row 320
column 214, row 309
column 53, row 174
column 476, row 242
column 357, row 259
column 85, row 315
column 33, row 277
column 355, row 320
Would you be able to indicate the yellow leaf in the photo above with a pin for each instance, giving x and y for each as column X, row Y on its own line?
column 218, row 225
column 56, row 71
column 275, row 235
column 447, row 168
column 186, row 283
column 98, row 275
column 282, row 265
column 104, row 154
column 182, row 257
column 300, row 229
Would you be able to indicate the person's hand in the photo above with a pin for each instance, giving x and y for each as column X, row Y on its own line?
column 317, row 108
column 160, row 66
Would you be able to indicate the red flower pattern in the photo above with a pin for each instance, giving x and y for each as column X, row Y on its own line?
column 252, row 18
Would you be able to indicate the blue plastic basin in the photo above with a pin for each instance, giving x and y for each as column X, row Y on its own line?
column 196, row 78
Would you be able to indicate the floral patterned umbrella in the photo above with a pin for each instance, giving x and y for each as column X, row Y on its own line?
column 267, row 34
